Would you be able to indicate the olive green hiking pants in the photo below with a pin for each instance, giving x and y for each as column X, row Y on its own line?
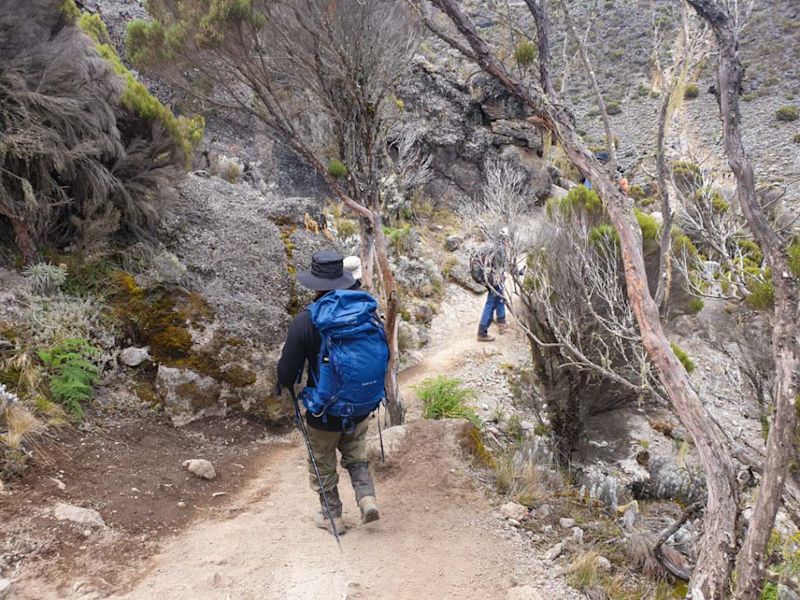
column 352, row 446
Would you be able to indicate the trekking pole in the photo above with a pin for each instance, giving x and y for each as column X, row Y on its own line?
column 301, row 424
column 380, row 434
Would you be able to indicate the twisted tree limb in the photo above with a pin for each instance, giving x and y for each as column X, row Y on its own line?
column 711, row 575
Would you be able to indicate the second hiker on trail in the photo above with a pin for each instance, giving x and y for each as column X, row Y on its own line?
column 342, row 340
column 488, row 269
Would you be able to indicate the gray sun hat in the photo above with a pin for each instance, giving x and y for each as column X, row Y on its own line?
column 326, row 273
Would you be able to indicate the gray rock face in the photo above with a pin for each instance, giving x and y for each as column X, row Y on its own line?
column 236, row 257
column 133, row 357
column 239, row 249
column 188, row 396
column 464, row 129
column 77, row 514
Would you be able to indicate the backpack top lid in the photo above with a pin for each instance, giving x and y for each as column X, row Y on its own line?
column 342, row 310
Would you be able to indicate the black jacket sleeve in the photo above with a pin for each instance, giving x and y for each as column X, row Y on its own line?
column 298, row 348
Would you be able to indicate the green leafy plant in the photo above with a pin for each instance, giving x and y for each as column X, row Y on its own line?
column 787, row 113
column 72, row 373
column 613, row 108
column 686, row 361
column 696, row 305
column 794, row 257
column 45, row 278
column 445, row 398
column 525, row 53
column 691, row 91
column 796, row 138
column 649, row 226
column 337, row 169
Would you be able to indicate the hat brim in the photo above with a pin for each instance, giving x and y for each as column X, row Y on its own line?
column 318, row 284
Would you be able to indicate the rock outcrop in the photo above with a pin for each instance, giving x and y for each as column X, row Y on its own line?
column 227, row 274
column 465, row 128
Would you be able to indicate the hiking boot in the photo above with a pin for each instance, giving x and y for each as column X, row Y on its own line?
column 321, row 521
column 485, row 337
column 502, row 328
column 321, row 518
column 369, row 510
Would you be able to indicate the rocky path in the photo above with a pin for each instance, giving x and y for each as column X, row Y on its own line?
column 438, row 537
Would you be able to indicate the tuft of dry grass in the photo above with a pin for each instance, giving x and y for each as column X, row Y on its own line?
column 21, row 426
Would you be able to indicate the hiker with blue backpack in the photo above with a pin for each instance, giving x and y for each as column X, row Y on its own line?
column 342, row 340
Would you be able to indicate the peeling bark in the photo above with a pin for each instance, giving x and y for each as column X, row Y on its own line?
column 785, row 342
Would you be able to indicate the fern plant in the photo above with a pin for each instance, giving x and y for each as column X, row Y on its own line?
column 72, row 373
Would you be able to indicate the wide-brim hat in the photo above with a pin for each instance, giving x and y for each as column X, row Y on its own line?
column 353, row 265
column 326, row 273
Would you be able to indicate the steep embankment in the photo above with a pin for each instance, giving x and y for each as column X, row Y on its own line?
column 438, row 537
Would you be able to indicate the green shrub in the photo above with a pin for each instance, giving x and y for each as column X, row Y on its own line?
column 649, row 226
column 796, row 138
column 637, row 192
column 445, row 398
column 787, row 113
column 794, row 257
column 70, row 11
column 185, row 132
column 44, row 278
column 525, row 53
column 749, row 97
column 604, row 234
column 346, row 228
column 643, row 91
column 72, row 373
column 762, row 291
column 691, row 91
column 686, row 361
column 613, row 108
column 337, row 169
column 578, row 198
column 696, row 305
column 687, row 175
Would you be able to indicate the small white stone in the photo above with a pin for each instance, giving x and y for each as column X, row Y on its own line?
column 513, row 510
column 554, row 552
column 577, row 535
column 200, row 467
column 77, row 514
column 603, row 563
column 181, row 504
column 5, row 588
column 566, row 523
column 513, row 523
column 133, row 357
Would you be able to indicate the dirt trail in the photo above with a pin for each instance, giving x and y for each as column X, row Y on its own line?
column 437, row 538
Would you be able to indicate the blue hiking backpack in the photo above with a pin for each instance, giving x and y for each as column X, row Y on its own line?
column 353, row 357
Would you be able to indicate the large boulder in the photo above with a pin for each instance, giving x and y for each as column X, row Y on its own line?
column 466, row 128
column 236, row 251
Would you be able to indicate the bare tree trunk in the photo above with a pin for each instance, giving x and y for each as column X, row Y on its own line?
column 22, row 237
column 785, row 343
column 710, row 580
column 394, row 402
column 665, row 244
column 665, row 114
column 539, row 11
column 601, row 103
